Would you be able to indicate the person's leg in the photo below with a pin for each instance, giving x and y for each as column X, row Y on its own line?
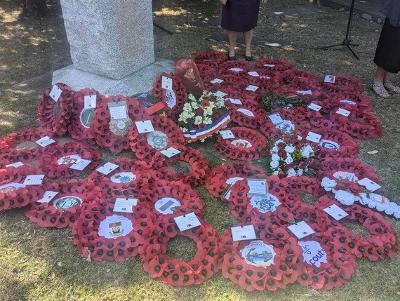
column 232, row 37
column 378, row 85
column 248, row 37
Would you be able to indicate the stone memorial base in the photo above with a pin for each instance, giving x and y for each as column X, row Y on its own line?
column 137, row 82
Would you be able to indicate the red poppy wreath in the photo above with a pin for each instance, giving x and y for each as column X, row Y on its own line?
column 113, row 119
column 61, row 204
column 104, row 233
column 54, row 109
column 176, row 272
column 271, row 262
column 247, row 145
column 69, row 160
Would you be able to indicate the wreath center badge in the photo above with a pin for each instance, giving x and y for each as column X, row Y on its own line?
column 86, row 117
column 241, row 143
column 313, row 253
column 26, row 145
column 123, row 177
column 258, row 253
column 119, row 119
column 67, row 202
column 167, row 205
column 157, row 140
column 115, row 226
column 10, row 187
column 69, row 159
column 265, row 203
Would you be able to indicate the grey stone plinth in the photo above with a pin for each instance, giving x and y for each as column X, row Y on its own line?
column 109, row 38
column 139, row 81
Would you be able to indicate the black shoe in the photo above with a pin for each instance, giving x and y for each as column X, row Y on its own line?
column 249, row 58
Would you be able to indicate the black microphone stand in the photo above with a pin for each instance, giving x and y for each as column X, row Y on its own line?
column 347, row 40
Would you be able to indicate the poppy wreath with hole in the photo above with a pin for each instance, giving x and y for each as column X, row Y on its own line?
column 345, row 84
column 326, row 266
column 305, row 119
column 222, row 177
column 360, row 124
column 346, row 169
column 159, row 265
column 272, row 64
column 303, row 184
column 100, row 234
column 114, row 134
column 171, row 198
column 259, row 208
column 247, row 145
column 247, row 115
column 189, row 166
column 54, row 116
column 13, row 192
column 56, row 163
column 125, row 180
column 174, row 100
column 207, row 71
column 63, row 210
column 82, row 117
column 271, row 262
column 335, row 144
column 148, row 146
column 382, row 242
column 359, row 101
column 21, row 146
column 209, row 58
column 297, row 82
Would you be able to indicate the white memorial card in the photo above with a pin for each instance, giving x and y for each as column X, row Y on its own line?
column 243, row 233
column 55, row 93
column 107, row 168
column 369, row 184
column 15, row 164
column 89, row 102
column 45, row 141
column 314, row 107
column 330, row 79
column 33, row 180
column 257, row 186
column 144, row 126
column 313, row 137
column 170, row 152
column 336, row 212
column 236, row 69
column 48, row 196
column 227, row 134
column 301, row 229
column 220, row 94
column 166, row 83
column 216, row 81
column 251, row 88
column 118, row 110
column 187, row 221
column 124, row 205
column 81, row 164
column 343, row 112
column 253, row 73
column 275, row 118
column 235, row 101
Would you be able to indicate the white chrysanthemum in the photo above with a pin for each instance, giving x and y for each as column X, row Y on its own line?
column 290, row 148
column 289, row 159
column 198, row 120
column 274, row 164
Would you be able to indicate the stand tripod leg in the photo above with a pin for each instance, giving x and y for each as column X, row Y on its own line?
column 353, row 52
column 330, row 46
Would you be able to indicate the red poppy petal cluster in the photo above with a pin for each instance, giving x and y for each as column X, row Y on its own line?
column 66, row 206
column 247, row 145
column 54, row 116
column 176, row 272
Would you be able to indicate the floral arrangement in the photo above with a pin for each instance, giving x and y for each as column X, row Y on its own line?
column 202, row 117
column 291, row 156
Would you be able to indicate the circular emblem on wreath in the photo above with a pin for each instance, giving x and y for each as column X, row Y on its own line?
column 258, row 253
column 120, row 127
column 115, row 226
column 10, row 187
column 70, row 159
column 167, row 205
column 180, row 168
column 313, row 253
column 241, row 143
column 86, row 117
column 26, row 145
column 67, row 202
column 246, row 112
column 265, row 203
column 123, row 177
column 329, row 144
column 158, row 140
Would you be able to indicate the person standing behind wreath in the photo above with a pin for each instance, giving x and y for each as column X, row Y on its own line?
column 387, row 56
column 240, row 16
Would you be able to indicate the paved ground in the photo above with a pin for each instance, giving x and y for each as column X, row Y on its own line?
column 38, row 264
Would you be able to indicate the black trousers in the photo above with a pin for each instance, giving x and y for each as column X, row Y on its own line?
column 387, row 54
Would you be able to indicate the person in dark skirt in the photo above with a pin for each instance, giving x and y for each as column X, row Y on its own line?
column 387, row 56
column 240, row 16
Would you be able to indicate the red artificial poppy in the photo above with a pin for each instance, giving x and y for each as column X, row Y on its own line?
column 247, row 115
column 209, row 58
column 275, row 65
